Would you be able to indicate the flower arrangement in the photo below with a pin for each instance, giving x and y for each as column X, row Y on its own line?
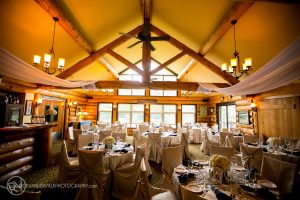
column 273, row 140
column 219, row 161
column 50, row 112
column 108, row 140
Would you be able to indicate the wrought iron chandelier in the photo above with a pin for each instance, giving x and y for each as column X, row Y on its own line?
column 49, row 58
column 236, row 69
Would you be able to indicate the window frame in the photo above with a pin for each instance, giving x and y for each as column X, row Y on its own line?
column 162, row 113
column 218, row 105
column 130, row 113
column 98, row 111
column 195, row 113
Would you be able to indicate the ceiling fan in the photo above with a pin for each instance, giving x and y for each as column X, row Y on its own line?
column 145, row 34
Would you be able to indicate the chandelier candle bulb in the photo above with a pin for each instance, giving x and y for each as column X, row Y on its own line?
column 245, row 68
column 47, row 58
column 230, row 70
column 233, row 62
column 224, row 66
column 248, row 62
column 61, row 63
column 36, row 59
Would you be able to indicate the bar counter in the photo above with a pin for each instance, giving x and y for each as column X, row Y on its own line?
column 24, row 148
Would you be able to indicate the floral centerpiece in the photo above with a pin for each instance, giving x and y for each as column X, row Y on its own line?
column 220, row 164
column 274, row 142
column 108, row 141
column 49, row 114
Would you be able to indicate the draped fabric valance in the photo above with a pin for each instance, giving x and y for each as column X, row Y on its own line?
column 282, row 70
column 13, row 67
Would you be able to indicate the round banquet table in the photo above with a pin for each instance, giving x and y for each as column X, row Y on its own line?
column 167, row 138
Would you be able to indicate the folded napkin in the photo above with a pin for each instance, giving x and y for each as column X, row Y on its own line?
column 185, row 162
column 252, row 144
column 121, row 150
column 173, row 135
column 219, row 194
column 185, row 178
column 127, row 145
column 262, row 192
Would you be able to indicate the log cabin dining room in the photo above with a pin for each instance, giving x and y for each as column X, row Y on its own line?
column 150, row 99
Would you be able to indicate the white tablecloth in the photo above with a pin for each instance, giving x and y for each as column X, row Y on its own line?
column 166, row 138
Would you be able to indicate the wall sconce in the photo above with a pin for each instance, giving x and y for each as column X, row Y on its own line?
column 69, row 106
column 147, row 107
column 114, row 106
column 221, row 98
column 253, row 106
column 179, row 107
column 211, row 119
column 85, row 113
column 38, row 102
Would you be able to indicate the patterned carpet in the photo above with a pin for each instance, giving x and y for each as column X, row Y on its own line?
column 49, row 175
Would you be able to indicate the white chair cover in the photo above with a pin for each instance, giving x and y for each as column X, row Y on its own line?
column 126, row 177
column 143, row 128
column 71, row 142
column 171, row 158
column 204, row 125
column 104, row 134
column 247, row 138
column 185, row 145
column 145, row 191
column 121, row 136
column 68, row 171
column 251, row 156
column 114, row 128
column 92, row 172
column 154, row 145
column 207, row 143
column 224, row 151
column 279, row 172
column 84, row 140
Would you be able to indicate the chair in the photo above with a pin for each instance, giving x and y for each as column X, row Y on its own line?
column 203, row 125
column 68, row 168
column 279, row 172
column 92, row 172
column 71, row 140
column 143, row 128
column 145, row 191
column 171, row 158
column 26, row 195
column 154, row 145
column 248, row 138
column 126, row 177
column 114, row 128
column 294, row 142
column 207, row 143
column 185, row 145
column 121, row 136
column 224, row 151
column 84, row 140
column 104, row 134
column 251, row 156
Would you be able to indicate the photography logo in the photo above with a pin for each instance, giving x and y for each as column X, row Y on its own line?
column 16, row 185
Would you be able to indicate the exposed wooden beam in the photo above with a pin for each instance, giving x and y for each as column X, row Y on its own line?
column 146, row 62
column 93, row 56
column 211, row 66
column 190, row 86
column 109, row 67
column 165, row 67
column 146, row 8
column 52, row 8
column 183, row 72
column 168, row 62
column 125, row 61
column 237, row 10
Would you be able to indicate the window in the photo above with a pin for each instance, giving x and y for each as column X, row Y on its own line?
column 166, row 93
column 188, row 113
column 105, row 112
column 163, row 113
column 226, row 116
column 131, row 75
column 131, row 114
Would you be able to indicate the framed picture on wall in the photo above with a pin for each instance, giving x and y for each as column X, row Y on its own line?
column 243, row 117
column 28, row 107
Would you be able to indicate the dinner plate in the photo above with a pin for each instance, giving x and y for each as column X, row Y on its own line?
column 267, row 184
column 180, row 170
column 194, row 187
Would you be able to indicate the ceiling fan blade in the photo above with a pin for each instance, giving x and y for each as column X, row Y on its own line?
column 132, row 36
column 134, row 44
column 150, row 45
column 159, row 38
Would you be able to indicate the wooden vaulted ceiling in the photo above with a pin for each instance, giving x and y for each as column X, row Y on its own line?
column 201, row 36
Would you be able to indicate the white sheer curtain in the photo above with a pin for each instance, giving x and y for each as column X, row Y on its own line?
column 282, row 70
column 13, row 67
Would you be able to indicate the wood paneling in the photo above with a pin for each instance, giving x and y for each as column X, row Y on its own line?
column 279, row 117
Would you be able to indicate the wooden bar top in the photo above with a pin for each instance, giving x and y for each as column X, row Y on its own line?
column 27, row 127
